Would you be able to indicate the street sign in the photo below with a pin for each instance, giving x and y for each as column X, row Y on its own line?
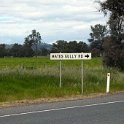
column 70, row 56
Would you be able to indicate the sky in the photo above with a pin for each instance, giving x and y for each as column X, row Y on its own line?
column 54, row 19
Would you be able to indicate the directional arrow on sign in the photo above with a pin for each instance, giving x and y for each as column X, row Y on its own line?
column 87, row 56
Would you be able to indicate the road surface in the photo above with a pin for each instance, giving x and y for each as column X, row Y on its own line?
column 100, row 110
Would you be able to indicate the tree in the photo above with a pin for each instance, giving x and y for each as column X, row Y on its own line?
column 113, row 45
column 59, row 46
column 116, row 21
column 16, row 50
column 82, row 47
column 69, row 47
column 73, row 47
column 114, row 53
column 2, row 50
column 44, row 52
column 19, row 50
column 77, row 47
column 97, row 35
column 33, row 40
column 27, row 51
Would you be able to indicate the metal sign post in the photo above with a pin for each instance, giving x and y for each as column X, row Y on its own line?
column 82, row 78
column 60, row 84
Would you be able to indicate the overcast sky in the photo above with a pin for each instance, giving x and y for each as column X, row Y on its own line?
column 54, row 19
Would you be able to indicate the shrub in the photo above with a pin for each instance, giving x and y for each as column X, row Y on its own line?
column 113, row 53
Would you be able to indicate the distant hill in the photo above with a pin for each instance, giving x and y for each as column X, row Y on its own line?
column 45, row 45
column 8, row 46
column 42, row 45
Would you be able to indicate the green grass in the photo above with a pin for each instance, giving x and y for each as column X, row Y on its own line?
column 32, row 78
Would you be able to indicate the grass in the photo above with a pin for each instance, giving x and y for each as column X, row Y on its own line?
column 32, row 78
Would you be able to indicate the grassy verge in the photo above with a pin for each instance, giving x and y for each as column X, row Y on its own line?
column 32, row 78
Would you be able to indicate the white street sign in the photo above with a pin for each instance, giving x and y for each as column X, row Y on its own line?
column 70, row 56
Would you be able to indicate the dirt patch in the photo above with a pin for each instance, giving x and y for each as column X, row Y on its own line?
column 47, row 100
column 50, row 100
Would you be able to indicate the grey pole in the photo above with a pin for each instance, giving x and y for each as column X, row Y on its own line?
column 60, row 85
column 82, row 78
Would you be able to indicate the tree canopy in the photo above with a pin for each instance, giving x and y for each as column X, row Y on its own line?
column 113, row 45
column 69, row 47
column 116, row 20
column 98, row 32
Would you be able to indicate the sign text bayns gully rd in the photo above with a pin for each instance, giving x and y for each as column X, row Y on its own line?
column 70, row 56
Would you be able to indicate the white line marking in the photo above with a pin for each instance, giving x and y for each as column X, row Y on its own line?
column 58, row 109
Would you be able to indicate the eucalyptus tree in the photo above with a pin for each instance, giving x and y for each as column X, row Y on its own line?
column 115, row 8
column 33, row 40
column 113, row 45
column 97, row 35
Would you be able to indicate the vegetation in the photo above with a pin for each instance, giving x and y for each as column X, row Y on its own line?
column 33, row 40
column 69, row 47
column 30, row 48
column 96, row 41
column 114, row 56
column 32, row 78
column 105, row 42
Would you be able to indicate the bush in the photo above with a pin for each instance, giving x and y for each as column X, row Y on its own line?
column 113, row 53
column 95, row 52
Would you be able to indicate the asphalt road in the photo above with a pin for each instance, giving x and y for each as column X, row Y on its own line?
column 100, row 110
